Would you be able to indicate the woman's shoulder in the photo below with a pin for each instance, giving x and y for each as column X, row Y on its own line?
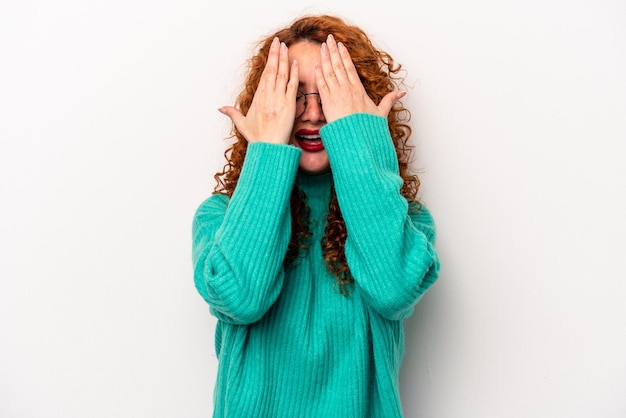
column 216, row 203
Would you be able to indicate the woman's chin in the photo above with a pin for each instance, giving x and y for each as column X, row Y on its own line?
column 314, row 163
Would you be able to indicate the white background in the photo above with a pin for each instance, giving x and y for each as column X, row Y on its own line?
column 110, row 138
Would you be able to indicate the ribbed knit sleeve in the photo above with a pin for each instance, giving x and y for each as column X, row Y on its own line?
column 390, row 250
column 239, row 244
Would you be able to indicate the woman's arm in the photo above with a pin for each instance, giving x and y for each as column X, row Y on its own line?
column 390, row 247
column 239, row 244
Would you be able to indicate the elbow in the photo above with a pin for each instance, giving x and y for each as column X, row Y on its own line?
column 236, row 295
column 238, row 301
column 250, row 307
column 241, row 312
column 397, row 299
column 394, row 306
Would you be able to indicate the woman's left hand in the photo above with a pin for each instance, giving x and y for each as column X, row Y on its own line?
column 340, row 87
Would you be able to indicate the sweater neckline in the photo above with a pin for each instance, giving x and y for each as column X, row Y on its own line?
column 317, row 185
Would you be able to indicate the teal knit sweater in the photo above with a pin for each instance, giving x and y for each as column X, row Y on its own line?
column 288, row 343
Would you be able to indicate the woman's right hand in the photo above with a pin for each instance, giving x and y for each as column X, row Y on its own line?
column 271, row 114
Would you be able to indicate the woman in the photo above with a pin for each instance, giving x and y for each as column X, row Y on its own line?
column 314, row 248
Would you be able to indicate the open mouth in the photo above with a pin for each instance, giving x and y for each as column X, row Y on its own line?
column 309, row 141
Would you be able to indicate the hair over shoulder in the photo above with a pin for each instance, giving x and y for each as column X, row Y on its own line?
column 380, row 74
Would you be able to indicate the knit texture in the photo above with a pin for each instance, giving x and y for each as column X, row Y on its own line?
column 288, row 343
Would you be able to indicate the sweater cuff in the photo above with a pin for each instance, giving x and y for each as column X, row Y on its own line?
column 268, row 169
column 263, row 187
column 357, row 141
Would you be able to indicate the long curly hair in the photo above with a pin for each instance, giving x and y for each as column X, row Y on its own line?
column 380, row 74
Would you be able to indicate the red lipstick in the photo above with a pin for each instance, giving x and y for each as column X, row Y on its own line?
column 309, row 140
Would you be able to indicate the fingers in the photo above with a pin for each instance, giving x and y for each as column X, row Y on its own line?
column 322, row 87
column 332, row 64
column 270, row 116
column 325, row 72
column 232, row 112
column 340, row 86
column 277, row 74
column 348, row 64
column 276, row 69
column 282, row 76
column 388, row 101
column 292, row 85
column 338, row 64
column 268, row 78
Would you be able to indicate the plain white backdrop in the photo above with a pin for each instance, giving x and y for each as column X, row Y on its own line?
column 110, row 137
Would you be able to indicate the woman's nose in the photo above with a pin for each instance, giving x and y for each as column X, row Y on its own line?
column 313, row 110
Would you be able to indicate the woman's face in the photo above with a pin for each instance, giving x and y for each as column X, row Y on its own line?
column 306, row 128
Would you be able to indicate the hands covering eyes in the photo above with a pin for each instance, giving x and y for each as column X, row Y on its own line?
column 273, row 110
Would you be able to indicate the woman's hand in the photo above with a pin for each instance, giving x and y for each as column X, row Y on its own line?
column 271, row 114
column 340, row 88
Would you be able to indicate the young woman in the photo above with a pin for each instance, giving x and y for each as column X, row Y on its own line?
column 314, row 248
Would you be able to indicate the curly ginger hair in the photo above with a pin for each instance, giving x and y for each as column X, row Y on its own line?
column 379, row 74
